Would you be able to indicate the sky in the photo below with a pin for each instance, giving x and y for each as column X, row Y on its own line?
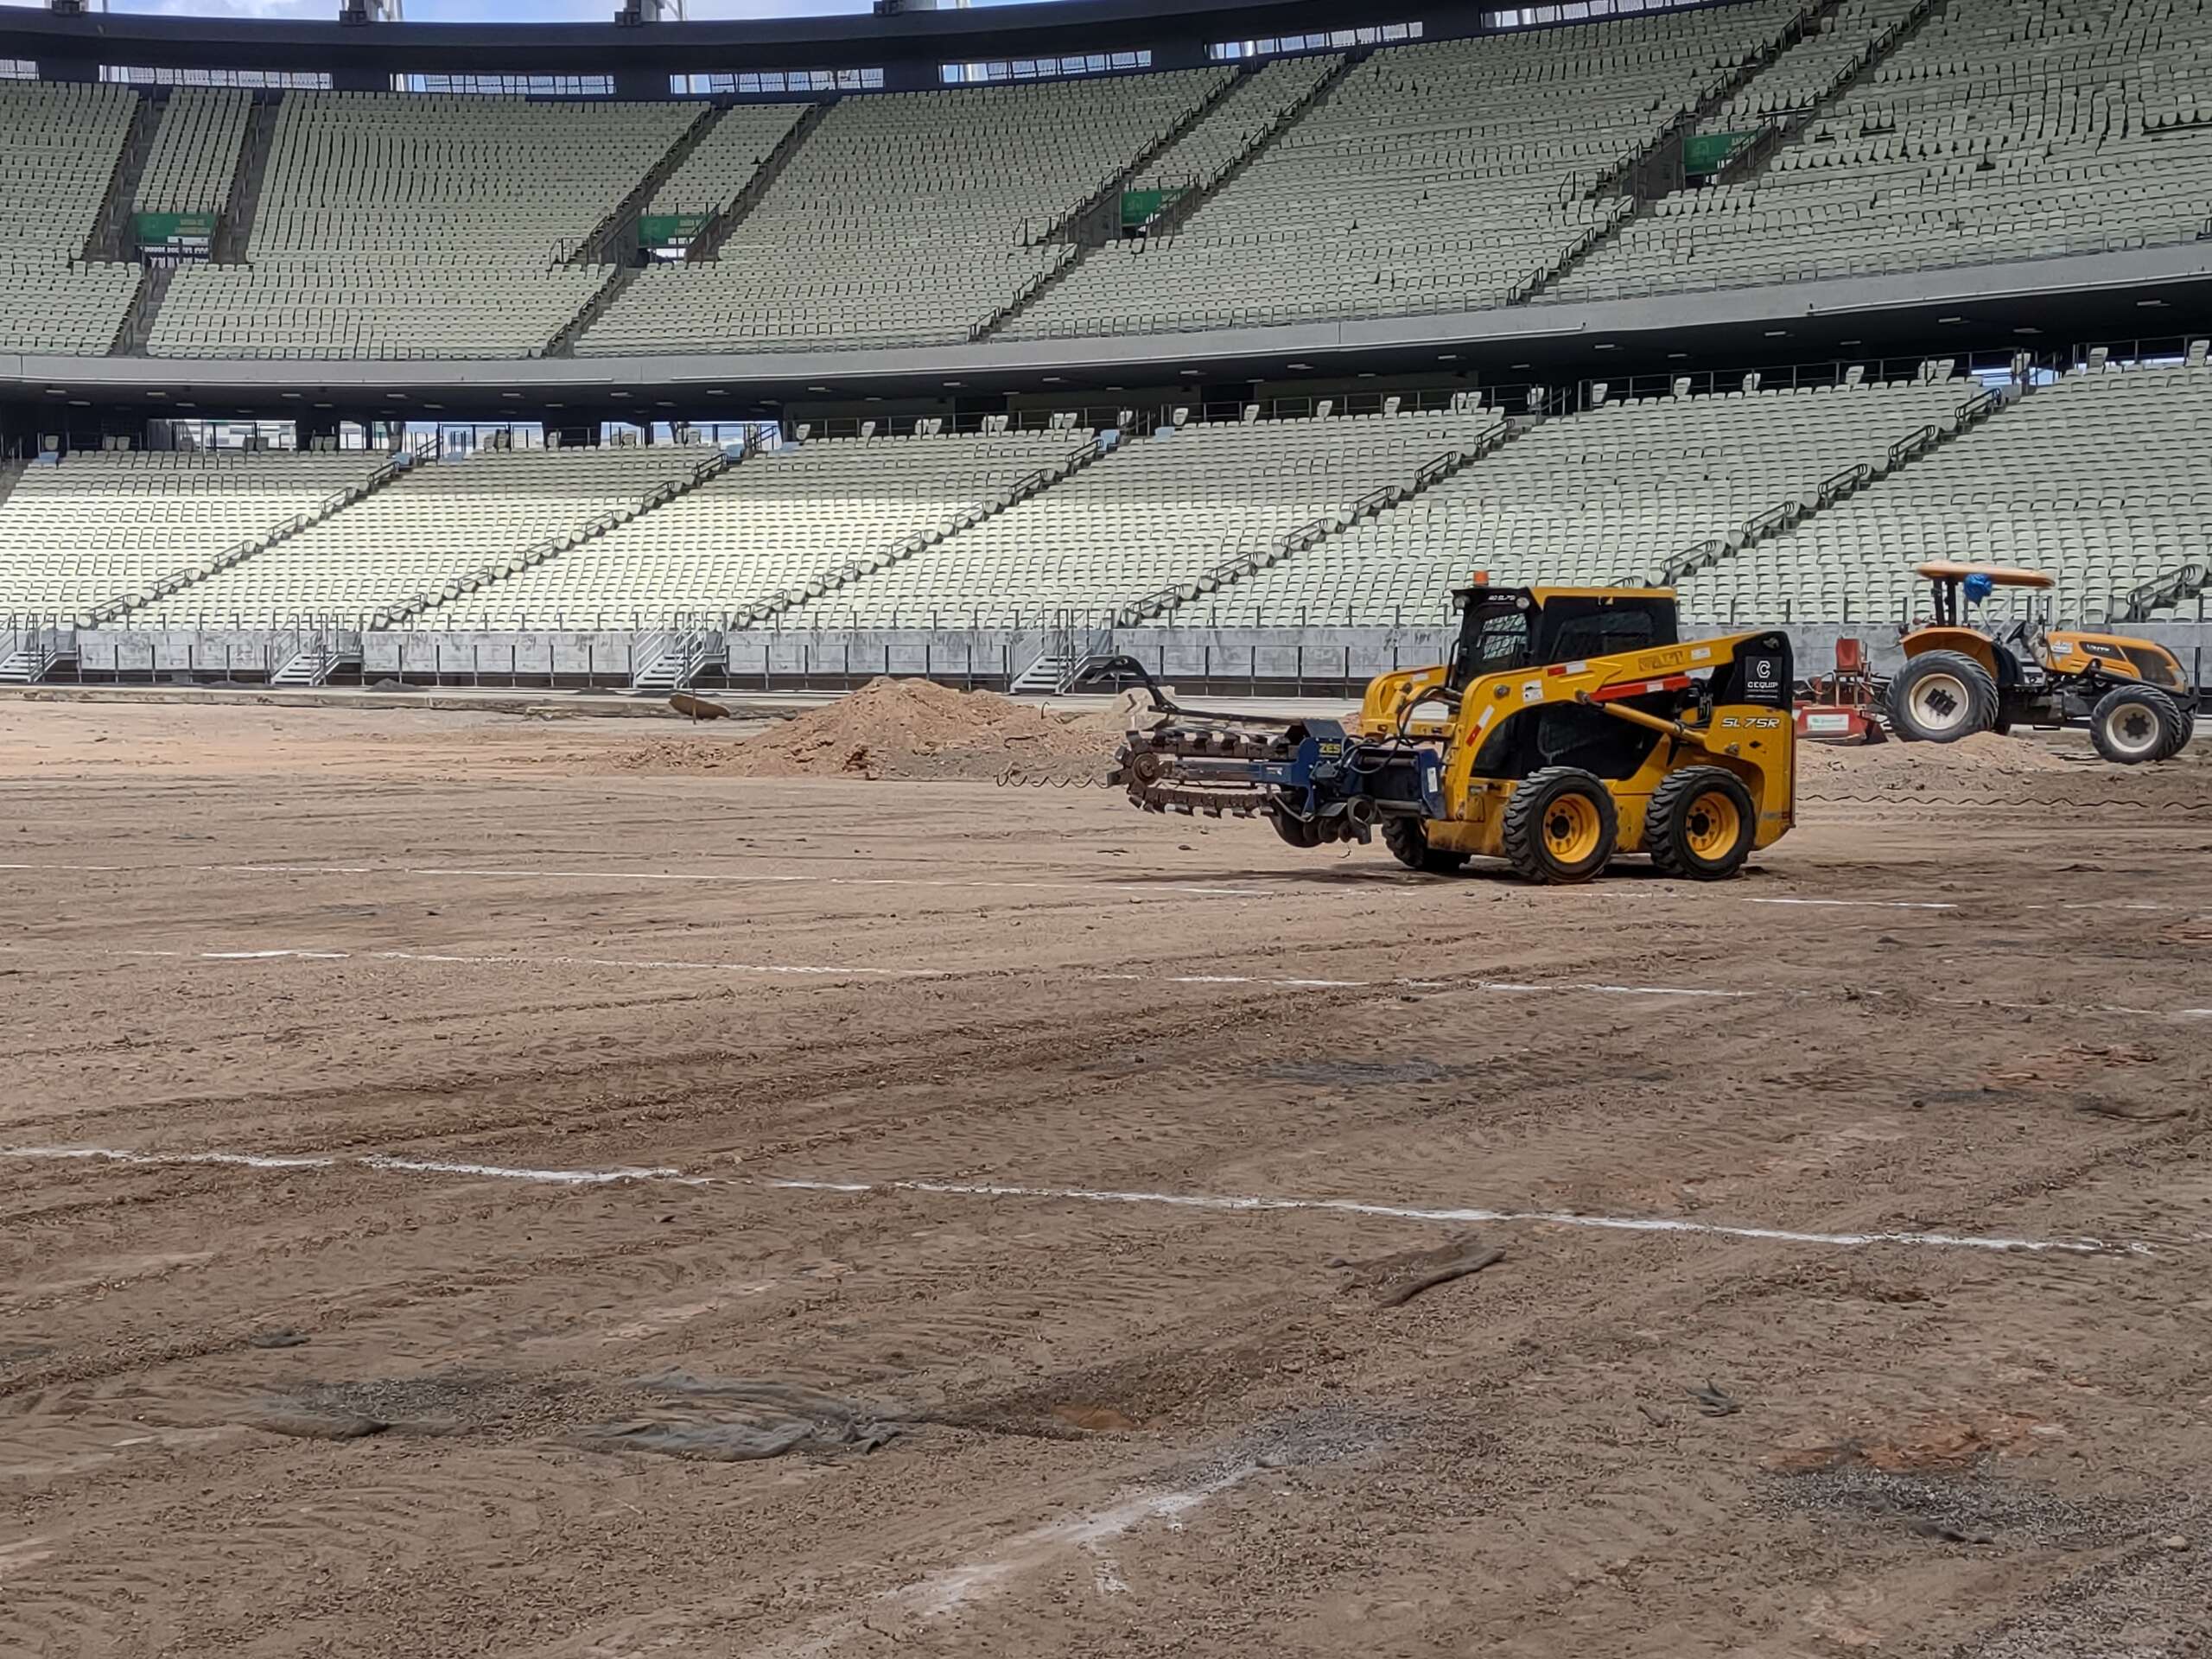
column 482, row 11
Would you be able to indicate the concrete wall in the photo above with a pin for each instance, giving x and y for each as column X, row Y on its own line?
column 1279, row 658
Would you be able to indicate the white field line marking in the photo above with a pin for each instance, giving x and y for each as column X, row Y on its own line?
column 732, row 877
column 1258, row 885
column 825, row 971
column 1549, row 987
column 946, row 1591
column 1221, row 1203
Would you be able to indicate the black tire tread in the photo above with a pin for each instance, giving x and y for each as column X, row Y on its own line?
column 2163, row 708
column 1522, row 834
column 1408, row 840
column 1662, row 821
column 1981, row 694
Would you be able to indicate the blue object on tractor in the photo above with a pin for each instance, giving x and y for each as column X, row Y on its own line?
column 1977, row 587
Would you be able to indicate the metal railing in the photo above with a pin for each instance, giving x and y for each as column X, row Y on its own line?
column 408, row 606
column 2188, row 582
column 1297, row 540
column 123, row 604
column 851, row 570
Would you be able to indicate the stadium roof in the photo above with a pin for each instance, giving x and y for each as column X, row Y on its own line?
column 1066, row 26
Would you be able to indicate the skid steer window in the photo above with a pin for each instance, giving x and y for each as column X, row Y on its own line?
column 1494, row 641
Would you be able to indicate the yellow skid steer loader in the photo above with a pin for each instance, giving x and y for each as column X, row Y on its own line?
column 1571, row 725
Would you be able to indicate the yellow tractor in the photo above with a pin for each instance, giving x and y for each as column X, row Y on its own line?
column 1571, row 725
column 1957, row 680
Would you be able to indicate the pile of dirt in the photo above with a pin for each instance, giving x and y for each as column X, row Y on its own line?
column 915, row 729
column 1982, row 756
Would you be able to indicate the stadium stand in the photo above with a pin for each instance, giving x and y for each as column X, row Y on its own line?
column 60, row 146
column 1599, row 498
column 196, row 152
column 906, row 218
column 1796, row 83
column 777, row 520
column 723, row 162
column 2103, row 478
column 2002, row 129
column 1438, row 177
column 1161, row 509
column 95, row 526
column 414, row 225
column 444, row 521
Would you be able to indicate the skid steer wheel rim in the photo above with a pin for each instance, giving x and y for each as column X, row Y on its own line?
column 1571, row 828
column 1941, row 701
column 2134, row 728
column 1712, row 825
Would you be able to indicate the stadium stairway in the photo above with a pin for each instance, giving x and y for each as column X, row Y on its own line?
column 1158, row 604
column 1659, row 164
column 614, row 239
column 1755, row 158
column 111, row 241
column 764, row 611
column 1172, row 217
column 122, row 606
column 235, row 228
column 1840, row 485
column 1096, row 219
column 403, row 609
column 137, row 326
column 708, row 245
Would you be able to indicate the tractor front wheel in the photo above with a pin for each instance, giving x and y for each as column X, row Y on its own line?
column 1560, row 826
column 1941, row 696
column 1701, row 824
column 1408, row 840
column 2131, row 724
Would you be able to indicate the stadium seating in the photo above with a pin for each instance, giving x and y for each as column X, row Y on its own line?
column 906, row 217
column 1158, row 511
column 1599, row 498
column 445, row 521
column 59, row 148
column 775, row 520
column 413, row 226
column 2103, row 478
column 196, row 152
column 723, row 163
column 97, row 525
column 1439, row 177
column 2004, row 128
column 1795, row 82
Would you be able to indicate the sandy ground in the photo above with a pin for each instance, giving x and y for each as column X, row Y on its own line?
column 537, row 1207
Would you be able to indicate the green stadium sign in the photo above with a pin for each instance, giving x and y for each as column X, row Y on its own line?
column 1707, row 152
column 670, row 230
column 1138, row 206
column 178, row 233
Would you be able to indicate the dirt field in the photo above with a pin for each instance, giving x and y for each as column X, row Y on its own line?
column 467, row 1190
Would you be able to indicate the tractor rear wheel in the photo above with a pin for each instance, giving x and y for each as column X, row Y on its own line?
column 2131, row 724
column 1560, row 826
column 1701, row 824
column 1941, row 696
column 1408, row 840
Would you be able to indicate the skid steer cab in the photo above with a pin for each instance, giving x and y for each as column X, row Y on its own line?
column 1572, row 725
column 1959, row 679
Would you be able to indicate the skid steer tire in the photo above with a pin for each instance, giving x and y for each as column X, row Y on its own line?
column 1701, row 825
column 1941, row 696
column 2132, row 724
column 1560, row 826
column 1408, row 840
